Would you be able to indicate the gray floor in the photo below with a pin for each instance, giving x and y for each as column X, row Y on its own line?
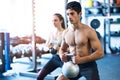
column 109, row 69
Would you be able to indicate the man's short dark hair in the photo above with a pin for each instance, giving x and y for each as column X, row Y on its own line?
column 74, row 5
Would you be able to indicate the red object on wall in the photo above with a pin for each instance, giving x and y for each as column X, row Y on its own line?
column 117, row 3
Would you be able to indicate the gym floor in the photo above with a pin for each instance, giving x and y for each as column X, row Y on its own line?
column 109, row 68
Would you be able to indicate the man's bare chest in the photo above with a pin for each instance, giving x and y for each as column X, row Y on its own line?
column 76, row 38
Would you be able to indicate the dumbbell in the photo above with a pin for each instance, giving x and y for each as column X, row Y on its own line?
column 69, row 69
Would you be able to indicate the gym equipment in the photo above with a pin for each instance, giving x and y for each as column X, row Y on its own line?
column 96, row 3
column 4, row 52
column 18, row 54
column 34, row 57
column 69, row 69
column 116, row 9
column 95, row 23
column 94, row 11
column 89, row 3
column 53, row 51
column 114, row 50
column 37, row 52
column 28, row 53
column 117, row 3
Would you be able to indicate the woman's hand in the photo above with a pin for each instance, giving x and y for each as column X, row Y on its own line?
column 56, row 47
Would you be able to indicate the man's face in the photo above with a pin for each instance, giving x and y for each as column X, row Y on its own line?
column 73, row 16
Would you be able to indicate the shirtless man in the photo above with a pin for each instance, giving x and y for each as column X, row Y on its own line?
column 81, row 40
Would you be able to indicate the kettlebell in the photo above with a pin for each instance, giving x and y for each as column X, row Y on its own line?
column 70, row 70
column 53, row 51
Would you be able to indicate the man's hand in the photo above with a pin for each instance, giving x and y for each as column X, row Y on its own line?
column 64, row 57
column 76, row 59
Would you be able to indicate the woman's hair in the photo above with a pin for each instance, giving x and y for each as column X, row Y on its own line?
column 61, row 19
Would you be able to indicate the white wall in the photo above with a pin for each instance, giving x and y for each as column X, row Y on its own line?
column 5, row 13
column 16, row 16
column 44, row 13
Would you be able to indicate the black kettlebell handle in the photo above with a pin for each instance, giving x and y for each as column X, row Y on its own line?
column 69, row 56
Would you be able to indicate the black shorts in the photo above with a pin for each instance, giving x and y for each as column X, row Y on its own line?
column 89, row 71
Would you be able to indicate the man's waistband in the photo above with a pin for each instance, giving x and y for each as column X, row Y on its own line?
column 88, row 64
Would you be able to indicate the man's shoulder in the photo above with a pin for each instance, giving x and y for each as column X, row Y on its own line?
column 65, row 31
column 87, row 27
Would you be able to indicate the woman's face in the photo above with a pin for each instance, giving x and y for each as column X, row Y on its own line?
column 56, row 21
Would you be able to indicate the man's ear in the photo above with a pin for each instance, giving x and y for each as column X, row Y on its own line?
column 80, row 13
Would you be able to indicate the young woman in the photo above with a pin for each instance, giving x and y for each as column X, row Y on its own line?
column 53, row 44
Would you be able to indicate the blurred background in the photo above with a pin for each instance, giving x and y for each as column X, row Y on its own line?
column 23, row 20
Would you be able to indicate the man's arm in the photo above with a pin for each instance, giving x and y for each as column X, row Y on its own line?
column 96, row 45
column 63, row 49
